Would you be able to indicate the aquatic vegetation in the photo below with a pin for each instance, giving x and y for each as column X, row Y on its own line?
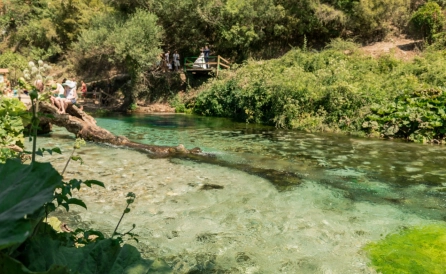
column 415, row 250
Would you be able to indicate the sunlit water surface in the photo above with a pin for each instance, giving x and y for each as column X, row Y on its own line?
column 331, row 195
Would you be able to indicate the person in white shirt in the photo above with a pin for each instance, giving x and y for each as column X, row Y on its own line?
column 176, row 60
column 70, row 95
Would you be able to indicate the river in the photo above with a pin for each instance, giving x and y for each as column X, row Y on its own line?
column 268, row 201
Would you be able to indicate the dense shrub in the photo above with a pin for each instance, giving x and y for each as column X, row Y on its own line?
column 428, row 20
column 336, row 89
column 415, row 115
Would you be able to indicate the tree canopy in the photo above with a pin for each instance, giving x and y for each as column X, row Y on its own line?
column 127, row 35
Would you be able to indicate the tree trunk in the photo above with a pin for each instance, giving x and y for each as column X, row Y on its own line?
column 84, row 126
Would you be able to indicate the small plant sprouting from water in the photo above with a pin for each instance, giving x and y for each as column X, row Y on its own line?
column 77, row 144
column 130, row 199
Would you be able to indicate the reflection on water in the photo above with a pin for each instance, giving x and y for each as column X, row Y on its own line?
column 212, row 218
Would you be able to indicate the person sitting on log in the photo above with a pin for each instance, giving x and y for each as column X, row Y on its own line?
column 39, row 85
column 70, row 95
column 57, row 95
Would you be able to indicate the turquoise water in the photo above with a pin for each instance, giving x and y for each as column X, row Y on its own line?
column 368, row 169
column 268, row 201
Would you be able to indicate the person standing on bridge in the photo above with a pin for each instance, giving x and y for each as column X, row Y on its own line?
column 206, row 52
column 176, row 60
column 166, row 59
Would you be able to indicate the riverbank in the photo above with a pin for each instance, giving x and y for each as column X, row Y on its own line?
column 344, row 88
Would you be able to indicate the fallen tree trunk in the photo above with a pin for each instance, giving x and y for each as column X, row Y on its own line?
column 84, row 126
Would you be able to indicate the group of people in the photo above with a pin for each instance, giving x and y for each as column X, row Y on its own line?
column 203, row 59
column 167, row 64
column 63, row 95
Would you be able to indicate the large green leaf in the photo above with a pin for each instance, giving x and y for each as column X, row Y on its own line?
column 24, row 189
column 10, row 265
column 105, row 256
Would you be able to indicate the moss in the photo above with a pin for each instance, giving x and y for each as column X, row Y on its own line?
column 415, row 250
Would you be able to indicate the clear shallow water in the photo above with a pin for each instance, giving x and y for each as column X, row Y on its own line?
column 349, row 191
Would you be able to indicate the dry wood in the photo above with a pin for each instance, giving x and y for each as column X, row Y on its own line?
column 84, row 126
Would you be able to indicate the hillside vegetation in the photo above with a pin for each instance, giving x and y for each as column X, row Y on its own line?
column 310, row 77
column 338, row 89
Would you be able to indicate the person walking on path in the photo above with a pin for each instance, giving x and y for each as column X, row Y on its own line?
column 176, row 60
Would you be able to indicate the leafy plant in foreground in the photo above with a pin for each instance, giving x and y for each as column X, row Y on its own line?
column 28, row 193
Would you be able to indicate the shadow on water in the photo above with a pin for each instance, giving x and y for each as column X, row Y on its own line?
column 352, row 187
column 282, row 180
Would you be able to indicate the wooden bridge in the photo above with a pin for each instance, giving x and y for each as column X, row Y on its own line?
column 196, row 65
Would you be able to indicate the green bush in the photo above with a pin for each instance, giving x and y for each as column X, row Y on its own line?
column 428, row 20
column 13, row 119
column 335, row 89
column 417, row 116
column 13, row 61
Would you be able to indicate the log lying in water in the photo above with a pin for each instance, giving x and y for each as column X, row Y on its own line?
column 84, row 126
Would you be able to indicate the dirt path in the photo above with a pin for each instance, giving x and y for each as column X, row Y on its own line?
column 405, row 49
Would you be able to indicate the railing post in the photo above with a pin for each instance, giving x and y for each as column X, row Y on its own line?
column 218, row 64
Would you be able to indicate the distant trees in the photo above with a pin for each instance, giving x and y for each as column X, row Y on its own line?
column 130, row 42
column 46, row 29
column 428, row 20
column 127, row 35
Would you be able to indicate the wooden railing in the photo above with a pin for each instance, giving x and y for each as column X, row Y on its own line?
column 212, row 63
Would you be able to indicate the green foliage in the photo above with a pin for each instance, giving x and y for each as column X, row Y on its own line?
column 429, row 20
column 46, row 251
column 133, row 107
column 304, row 90
column 418, row 116
column 44, row 29
column 414, row 250
column 23, row 191
column 13, row 119
column 374, row 19
column 15, row 62
column 130, row 41
column 336, row 89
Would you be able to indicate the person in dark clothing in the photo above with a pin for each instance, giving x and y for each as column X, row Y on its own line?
column 206, row 52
